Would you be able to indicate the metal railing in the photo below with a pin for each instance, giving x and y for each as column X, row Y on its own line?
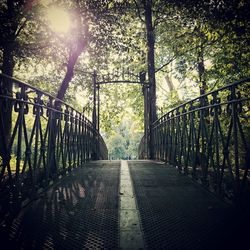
column 209, row 138
column 46, row 139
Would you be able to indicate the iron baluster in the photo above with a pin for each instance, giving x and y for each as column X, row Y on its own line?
column 78, row 140
column 183, row 131
column 204, row 138
column 43, row 141
column 20, row 108
column 156, row 142
column 168, row 139
column 177, row 138
column 214, row 137
column 235, row 139
column 198, row 136
column 51, row 139
column 164, row 138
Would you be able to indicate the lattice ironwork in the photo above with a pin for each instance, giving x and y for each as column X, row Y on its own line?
column 208, row 137
column 48, row 138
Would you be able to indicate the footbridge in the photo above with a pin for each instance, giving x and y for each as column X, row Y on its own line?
column 189, row 189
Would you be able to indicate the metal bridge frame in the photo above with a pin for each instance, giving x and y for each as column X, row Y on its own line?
column 139, row 79
column 58, row 140
column 209, row 138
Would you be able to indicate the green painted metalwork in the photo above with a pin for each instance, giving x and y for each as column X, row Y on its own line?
column 48, row 139
column 209, row 138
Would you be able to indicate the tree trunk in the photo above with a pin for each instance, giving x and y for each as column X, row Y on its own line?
column 151, row 70
column 169, row 83
column 73, row 56
column 6, row 84
column 6, row 107
column 53, row 166
column 67, row 78
column 201, row 70
column 7, row 69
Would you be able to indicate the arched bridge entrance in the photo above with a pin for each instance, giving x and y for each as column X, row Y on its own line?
column 125, row 77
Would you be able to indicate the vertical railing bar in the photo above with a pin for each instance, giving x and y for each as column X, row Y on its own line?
column 27, row 159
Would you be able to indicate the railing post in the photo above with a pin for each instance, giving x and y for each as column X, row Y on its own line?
column 94, row 101
column 146, row 112
column 98, row 107
column 94, row 121
column 98, row 121
column 51, row 164
column 41, row 146
column 208, row 137
column 151, row 141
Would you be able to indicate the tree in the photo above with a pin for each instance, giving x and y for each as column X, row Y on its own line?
column 117, row 147
column 124, row 141
column 179, row 39
column 15, row 15
column 203, row 31
column 77, row 44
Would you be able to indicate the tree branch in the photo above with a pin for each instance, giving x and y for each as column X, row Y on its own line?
column 138, row 11
column 167, row 63
column 20, row 28
column 184, row 52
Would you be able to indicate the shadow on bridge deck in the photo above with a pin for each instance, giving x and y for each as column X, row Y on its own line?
column 82, row 211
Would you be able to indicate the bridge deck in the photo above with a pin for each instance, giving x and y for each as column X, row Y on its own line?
column 89, row 210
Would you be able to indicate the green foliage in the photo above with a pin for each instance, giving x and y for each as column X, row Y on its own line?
column 117, row 144
column 219, row 29
column 123, row 142
column 116, row 40
column 120, row 101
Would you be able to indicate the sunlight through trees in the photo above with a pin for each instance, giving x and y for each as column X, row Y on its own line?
column 186, row 48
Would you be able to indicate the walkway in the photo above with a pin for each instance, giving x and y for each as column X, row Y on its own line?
column 127, row 205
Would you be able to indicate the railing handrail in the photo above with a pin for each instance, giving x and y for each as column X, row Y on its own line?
column 41, row 139
column 202, row 96
column 50, row 96
column 208, row 138
column 43, row 92
column 86, row 120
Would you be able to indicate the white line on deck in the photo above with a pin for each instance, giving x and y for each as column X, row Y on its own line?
column 131, row 236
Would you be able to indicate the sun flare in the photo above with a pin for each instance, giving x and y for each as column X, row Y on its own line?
column 59, row 20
